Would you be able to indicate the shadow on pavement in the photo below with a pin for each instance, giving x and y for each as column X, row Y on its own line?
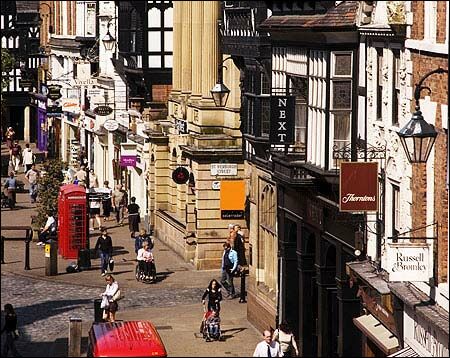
column 234, row 331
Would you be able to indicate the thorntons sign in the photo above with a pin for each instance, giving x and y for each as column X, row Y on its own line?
column 408, row 262
column 358, row 189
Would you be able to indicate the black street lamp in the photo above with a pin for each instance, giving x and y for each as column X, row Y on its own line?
column 220, row 92
column 418, row 136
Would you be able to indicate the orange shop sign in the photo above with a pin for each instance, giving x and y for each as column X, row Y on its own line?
column 358, row 189
column 232, row 199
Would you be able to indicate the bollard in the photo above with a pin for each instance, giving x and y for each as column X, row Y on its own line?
column 51, row 257
column 98, row 311
column 2, row 249
column 75, row 331
column 27, row 253
column 242, row 293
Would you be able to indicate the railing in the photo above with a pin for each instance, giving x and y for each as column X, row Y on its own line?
column 27, row 239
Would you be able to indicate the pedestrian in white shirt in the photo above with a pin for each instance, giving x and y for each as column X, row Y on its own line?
column 268, row 347
column 27, row 157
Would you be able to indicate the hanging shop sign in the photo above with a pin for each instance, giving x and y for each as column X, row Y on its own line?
column 54, row 92
column 282, row 117
column 408, row 262
column 111, row 125
column 232, row 199
column 25, row 83
column 224, row 169
column 54, row 109
column 128, row 160
column 103, row 110
column 180, row 175
column 358, row 189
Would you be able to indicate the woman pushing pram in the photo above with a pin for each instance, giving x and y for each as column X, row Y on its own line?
column 210, row 326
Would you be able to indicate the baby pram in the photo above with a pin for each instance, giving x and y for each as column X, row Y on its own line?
column 210, row 326
column 5, row 200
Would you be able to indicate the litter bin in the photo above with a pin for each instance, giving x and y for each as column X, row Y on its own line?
column 98, row 312
column 84, row 259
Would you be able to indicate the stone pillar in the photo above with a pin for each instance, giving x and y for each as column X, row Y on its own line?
column 26, row 124
column 210, row 47
column 197, row 41
column 177, row 48
column 186, row 69
column 307, row 319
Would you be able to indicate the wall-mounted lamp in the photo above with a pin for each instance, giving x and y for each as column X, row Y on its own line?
column 109, row 41
column 418, row 136
column 220, row 92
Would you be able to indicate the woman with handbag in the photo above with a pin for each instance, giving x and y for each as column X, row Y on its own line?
column 285, row 337
column 109, row 299
column 10, row 328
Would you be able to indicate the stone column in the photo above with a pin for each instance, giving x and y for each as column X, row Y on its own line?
column 210, row 48
column 26, row 124
column 197, row 41
column 186, row 69
column 177, row 48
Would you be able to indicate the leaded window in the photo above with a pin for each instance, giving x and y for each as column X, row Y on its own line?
column 160, row 34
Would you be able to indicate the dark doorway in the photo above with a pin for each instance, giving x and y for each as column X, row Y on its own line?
column 16, row 120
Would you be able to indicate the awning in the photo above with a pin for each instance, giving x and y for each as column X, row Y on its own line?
column 379, row 334
column 405, row 352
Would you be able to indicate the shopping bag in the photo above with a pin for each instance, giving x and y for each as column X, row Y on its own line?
column 111, row 265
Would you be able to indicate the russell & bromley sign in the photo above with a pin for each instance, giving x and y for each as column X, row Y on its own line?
column 408, row 262
column 358, row 189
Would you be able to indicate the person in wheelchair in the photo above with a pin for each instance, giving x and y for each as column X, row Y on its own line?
column 146, row 262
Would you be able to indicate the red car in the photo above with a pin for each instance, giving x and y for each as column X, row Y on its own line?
column 125, row 339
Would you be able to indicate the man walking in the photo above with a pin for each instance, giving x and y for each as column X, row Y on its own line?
column 229, row 267
column 10, row 187
column 119, row 202
column 104, row 245
column 239, row 247
column 32, row 176
column 268, row 347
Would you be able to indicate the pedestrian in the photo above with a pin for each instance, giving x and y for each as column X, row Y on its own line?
column 239, row 247
column 119, row 202
column 10, row 328
column 146, row 261
column 32, row 176
column 80, row 175
column 104, row 247
column 16, row 155
column 94, row 210
column 214, row 293
column 93, row 179
column 106, row 200
column 267, row 347
column 28, row 158
column 139, row 240
column 48, row 229
column 9, row 135
column 10, row 188
column 133, row 216
column 109, row 299
column 285, row 337
column 229, row 267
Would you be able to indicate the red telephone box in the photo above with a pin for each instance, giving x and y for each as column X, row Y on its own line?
column 71, row 220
